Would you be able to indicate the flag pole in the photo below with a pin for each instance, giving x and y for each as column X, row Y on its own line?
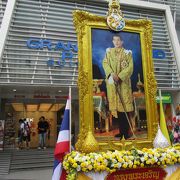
column 160, row 98
column 163, row 125
column 70, row 98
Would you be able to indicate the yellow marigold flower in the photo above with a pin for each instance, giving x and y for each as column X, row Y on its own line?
column 115, row 165
column 134, row 166
column 126, row 158
column 130, row 165
column 136, row 162
column 83, row 169
column 99, row 159
column 113, row 155
column 107, row 169
column 120, row 160
column 90, row 167
column 158, row 163
column 108, row 157
column 74, row 165
column 142, row 165
column 102, row 167
column 83, row 164
column 148, row 162
column 129, row 153
column 112, row 170
column 124, row 166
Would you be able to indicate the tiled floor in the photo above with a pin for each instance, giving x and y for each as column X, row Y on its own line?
column 36, row 174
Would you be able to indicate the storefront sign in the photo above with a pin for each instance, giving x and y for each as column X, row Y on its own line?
column 19, row 96
column 158, row 54
column 139, row 173
column 67, row 51
column 41, row 95
column 166, row 98
column 61, row 97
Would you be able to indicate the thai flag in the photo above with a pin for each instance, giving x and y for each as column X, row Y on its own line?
column 62, row 145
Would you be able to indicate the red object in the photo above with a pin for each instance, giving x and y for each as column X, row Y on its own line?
column 41, row 97
column 103, row 94
column 61, row 97
column 33, row 133
column 154, row 173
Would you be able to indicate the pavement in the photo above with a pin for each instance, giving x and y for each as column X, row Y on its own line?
column 34, row 174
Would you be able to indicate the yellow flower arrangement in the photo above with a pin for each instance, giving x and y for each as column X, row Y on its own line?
column 112, row 161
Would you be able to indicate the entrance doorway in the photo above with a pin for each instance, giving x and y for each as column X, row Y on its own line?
column 32, row 110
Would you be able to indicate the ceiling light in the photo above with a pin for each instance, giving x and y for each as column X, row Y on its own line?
column 59, row 91
column 14, row 90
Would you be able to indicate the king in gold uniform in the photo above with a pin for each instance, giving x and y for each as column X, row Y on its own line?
column 118, row 67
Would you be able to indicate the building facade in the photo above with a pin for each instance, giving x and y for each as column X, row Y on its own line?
column 38, row 51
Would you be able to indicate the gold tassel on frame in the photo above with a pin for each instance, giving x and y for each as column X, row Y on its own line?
column 90, row 144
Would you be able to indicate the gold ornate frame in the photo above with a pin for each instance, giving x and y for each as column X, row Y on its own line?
column 83, row 22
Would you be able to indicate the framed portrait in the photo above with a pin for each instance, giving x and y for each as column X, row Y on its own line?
column 117, row 88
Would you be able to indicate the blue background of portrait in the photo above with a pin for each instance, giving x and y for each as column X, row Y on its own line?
column 102, row 39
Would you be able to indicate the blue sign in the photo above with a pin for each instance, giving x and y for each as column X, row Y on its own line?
column 67, row 50
column 158, row 54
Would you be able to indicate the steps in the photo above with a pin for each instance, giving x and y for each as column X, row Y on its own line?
column 5, row 159
column 31, row 159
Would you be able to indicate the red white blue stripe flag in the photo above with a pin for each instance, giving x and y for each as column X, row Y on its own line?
column 63, row 144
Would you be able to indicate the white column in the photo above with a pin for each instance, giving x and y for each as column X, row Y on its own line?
column 6, row 21
column 173, row 36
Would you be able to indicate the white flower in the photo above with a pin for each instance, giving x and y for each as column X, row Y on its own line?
column 139, row 152
column 142, row 159
column 114, row 161
column 156, row 159
column 150, row 155
column 119, row 165
column 78, row 168
column 92, row 160
column 106, row 161
column 84, row 158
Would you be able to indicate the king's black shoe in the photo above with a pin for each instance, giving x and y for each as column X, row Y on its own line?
column 118, row 135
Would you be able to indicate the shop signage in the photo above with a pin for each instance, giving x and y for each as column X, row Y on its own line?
column 19, row 96
column 41, row 95
column 158, row 54
column 67, row 50
column 61, row 97
column 166, row 98
column 139, row 173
